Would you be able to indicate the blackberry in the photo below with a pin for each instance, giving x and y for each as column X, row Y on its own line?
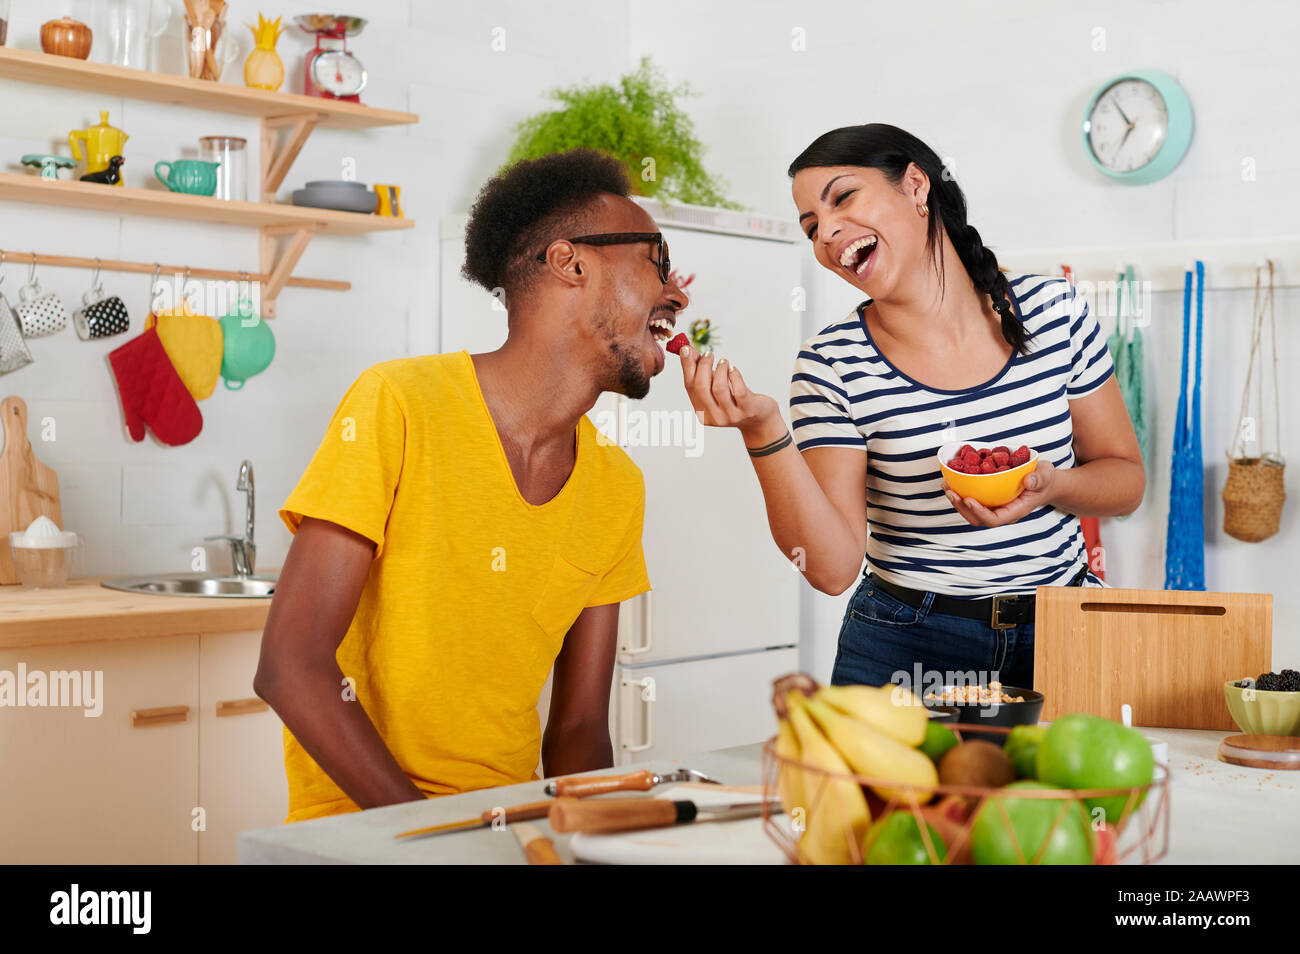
column 1288, row 680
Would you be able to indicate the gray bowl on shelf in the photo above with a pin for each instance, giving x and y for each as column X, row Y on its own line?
column 338, row 195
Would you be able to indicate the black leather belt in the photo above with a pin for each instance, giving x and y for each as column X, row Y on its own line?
column 1002, row 612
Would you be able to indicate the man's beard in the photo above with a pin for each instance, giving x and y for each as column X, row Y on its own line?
column 630, row 377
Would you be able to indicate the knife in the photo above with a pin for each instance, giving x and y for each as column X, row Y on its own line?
column 538, row 849
column 580, row 786
column 499, row 816
column 626, row 814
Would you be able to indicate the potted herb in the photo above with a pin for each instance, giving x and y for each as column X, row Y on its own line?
column 638, row 122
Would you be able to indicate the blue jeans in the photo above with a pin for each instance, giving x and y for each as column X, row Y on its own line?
column 881, row 636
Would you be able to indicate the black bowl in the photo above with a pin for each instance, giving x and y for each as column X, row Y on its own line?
column 1003, row 714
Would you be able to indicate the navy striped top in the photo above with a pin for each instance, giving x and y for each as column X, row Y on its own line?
column 845, row 393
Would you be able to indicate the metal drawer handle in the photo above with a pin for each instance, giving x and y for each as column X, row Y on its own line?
column 234, row 707
column 158, row 716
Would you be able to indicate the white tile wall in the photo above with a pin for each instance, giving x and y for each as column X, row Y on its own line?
column 143, row 507
column 998, row 87
column 1001, row 89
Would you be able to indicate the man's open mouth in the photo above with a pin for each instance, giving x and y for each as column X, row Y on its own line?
column 856, row 253
column 662, row 327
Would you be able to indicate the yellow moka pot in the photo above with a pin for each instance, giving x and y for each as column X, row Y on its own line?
column 101, row 142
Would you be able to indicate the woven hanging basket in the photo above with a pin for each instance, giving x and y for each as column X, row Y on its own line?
column 1255, row 490
column 1253, row 498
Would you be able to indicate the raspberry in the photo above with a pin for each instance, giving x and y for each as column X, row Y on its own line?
column 957, row 464
column 987, row 467
column 964, row 450
column 972, row 461
column 1019, row 456
column 1002, row 469
column 1001, row 458
column 679, row 342
column 1002, row 449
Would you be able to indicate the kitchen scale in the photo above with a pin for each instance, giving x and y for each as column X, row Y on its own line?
column 332, row 72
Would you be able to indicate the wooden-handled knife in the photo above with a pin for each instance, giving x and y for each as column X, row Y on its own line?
column 628, row 814
column 538, row 849
column 498, row 816
column 581, row 786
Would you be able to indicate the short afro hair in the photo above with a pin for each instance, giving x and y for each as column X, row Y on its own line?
column 529, row 204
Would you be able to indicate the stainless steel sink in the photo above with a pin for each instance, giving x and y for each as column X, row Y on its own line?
column 198, row 584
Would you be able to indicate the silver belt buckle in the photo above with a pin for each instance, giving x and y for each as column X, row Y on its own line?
column 997, row 607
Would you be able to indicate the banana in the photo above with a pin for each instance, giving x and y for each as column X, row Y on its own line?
column 837, row 815
column 789, row 778
column 875, row 754
column 890, row 709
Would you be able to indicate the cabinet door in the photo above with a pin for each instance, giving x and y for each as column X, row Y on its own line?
column 673, row 711
column 242, row 784
column 100, row 790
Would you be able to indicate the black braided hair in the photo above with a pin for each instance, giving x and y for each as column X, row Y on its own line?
column 890, row 149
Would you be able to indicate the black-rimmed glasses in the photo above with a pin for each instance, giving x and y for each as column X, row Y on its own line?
column 627, row 238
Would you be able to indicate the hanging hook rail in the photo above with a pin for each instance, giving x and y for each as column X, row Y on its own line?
column 144, row 268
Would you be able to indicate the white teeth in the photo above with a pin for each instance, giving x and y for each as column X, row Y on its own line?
column 846, row 256
column 661, row 328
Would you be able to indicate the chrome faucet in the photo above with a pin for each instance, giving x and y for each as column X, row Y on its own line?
column 243, row 552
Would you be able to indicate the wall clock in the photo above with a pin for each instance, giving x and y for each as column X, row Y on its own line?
column 1138, row 126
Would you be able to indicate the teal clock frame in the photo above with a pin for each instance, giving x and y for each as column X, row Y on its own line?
column 1177, row 140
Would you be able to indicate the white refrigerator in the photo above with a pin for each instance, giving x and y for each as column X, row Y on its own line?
column 698, row 653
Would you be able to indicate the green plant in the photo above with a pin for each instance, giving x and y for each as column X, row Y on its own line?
column 639, row 122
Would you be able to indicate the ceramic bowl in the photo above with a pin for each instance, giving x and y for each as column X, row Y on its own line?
column 1263, row 712
column 992, row 490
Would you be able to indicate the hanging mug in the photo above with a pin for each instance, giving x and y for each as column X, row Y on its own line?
column 101, row 315
column 14, row 353
column 248, row 345
column 39, row 312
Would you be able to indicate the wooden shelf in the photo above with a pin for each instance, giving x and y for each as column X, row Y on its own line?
column 21, row 187
column 29, row 66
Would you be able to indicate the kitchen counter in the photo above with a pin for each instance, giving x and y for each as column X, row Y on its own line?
column 83, row 611
column 1220, row 814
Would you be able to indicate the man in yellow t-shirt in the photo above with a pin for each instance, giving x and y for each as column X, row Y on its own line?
column 461, row 529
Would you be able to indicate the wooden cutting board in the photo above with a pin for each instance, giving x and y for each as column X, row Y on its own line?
column 739, row 842
column 1167, row 653
column 28, row 488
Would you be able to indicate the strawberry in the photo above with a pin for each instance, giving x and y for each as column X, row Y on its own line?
column 679, row 342
column 1020, row 456
column 1001, row 457
column 987, row 467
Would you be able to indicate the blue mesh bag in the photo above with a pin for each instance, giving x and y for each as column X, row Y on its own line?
column 1185, row 534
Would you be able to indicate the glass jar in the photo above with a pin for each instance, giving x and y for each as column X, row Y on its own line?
column 232, row 174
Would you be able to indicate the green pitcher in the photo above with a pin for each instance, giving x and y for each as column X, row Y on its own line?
column 191, row 176
column 249, row 345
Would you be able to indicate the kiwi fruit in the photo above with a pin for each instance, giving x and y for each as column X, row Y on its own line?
column 976, row 763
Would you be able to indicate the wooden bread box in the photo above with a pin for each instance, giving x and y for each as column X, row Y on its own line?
column 1167, row 653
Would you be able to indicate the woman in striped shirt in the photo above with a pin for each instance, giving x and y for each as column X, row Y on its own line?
column 945, row 348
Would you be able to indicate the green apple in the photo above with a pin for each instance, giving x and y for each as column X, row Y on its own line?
column 896, row 840
column 1085, row 751
column 1022, row 837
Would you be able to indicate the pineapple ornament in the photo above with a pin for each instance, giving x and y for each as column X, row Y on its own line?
column 264, row 69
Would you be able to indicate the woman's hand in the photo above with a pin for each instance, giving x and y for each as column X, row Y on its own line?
column 1038, row 490
column 721, row 399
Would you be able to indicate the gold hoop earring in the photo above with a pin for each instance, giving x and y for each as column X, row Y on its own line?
column 924, row 209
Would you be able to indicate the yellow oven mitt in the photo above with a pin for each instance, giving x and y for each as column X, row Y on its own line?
column 195, row 345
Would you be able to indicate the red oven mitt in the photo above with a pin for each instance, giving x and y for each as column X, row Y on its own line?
column 153, row 393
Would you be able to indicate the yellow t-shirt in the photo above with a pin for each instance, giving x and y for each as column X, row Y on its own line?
column 472, row 589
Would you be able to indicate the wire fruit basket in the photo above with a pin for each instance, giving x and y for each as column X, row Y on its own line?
column 1141, row 836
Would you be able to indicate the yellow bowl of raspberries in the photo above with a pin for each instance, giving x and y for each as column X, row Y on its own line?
column 991, row 474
